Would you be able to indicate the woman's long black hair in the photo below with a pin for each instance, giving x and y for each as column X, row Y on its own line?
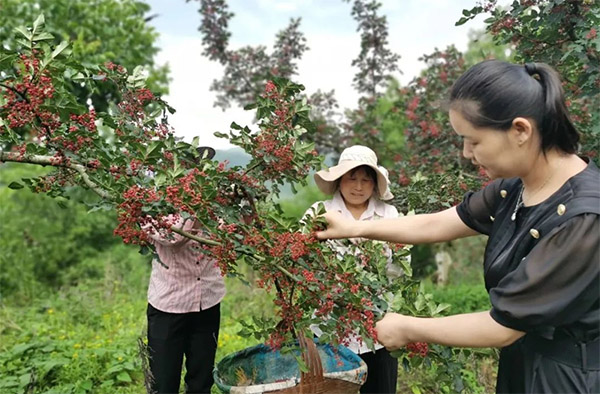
column 493, row 93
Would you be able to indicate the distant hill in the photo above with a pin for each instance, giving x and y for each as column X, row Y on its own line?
column 235, row 156
column 238, row 157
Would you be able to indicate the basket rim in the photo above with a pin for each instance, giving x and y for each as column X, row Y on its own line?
column 287, row 383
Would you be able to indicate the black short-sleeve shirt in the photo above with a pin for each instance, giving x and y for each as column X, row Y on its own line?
column 542, row 273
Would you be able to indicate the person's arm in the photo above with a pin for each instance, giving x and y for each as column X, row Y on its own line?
column 467, row 330
column 415, row 229
column 189, row 225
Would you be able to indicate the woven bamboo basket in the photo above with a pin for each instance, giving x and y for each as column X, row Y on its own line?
column 261, row 370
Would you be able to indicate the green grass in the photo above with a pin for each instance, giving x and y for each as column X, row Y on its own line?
column 84, row 338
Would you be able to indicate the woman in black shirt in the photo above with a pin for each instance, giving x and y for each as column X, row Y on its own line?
column 541, row 213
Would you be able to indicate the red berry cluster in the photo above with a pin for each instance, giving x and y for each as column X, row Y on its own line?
column 115, row 67
column 46, row 183
column 293, row 244
column 93, row 164
column 276, row 339
column 417, row 349
column 352, row 313
column 72, row 143
column 133, row 103
column 270, row 90
column 224, row 254
column 135, row 166
column 254, row 238
column 506, row 23
column 273, row 144
column 130, row 214
column 309, row 276
column 228, row 228
column 115, row 171
column 527, row 3
column 25, row 97
column 59, row 159
column 88, row 121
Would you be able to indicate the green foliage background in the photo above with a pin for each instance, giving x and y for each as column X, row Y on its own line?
column 99, row 32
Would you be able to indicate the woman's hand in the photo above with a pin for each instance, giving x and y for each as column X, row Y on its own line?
column 392, row 331
column 337, row 227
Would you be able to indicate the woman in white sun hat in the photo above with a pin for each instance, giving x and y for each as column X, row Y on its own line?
column 359, row 187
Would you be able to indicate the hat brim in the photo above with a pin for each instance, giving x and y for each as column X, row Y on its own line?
column 205, row 152
column 326, row 179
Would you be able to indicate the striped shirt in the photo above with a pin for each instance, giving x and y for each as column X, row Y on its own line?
column 191, row 283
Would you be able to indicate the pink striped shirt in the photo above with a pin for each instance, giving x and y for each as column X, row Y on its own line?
column 193, row 281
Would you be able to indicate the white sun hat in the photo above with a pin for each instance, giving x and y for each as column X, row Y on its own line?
column 352, row 157
column 388, row 194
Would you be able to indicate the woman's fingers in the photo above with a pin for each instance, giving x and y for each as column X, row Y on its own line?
column 335, row 226
column 390, row 331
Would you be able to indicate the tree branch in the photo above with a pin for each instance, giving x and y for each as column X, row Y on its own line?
column 201, row 240
column 50, row 160
column 15, row 91
column 206, row 241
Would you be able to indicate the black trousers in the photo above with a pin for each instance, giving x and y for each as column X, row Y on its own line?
column 173, row 335
column 537, row 365
column 382, row 372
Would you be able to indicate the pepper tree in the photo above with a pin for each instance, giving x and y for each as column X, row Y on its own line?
column 132, row 161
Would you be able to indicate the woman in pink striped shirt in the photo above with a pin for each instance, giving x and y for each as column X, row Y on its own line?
column 184, row 295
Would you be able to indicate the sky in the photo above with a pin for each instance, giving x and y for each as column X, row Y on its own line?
column 416, row 27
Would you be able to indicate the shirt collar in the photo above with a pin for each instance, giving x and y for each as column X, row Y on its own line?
column 375, row 207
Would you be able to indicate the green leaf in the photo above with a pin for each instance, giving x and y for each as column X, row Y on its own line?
column 86, row 385
column 220, row 135
column 59, row 49
column 25, row 379
column 124, row 377
column 176, row 172
column 25, row 43
column 114, row 368
column 440, row 308
column 369, row 342
column 145, row 250
column 397, row 353
column 160, row 179
column 301, row 364
column 53, row 363
column 79, row 77
column 415, row 389
column 137, row 78
column 44, row 36
column 152, row 148
column 39, row 23
column 461, row 21
column 21, row 348
column 24, row 31
column 15, row 186
column 419, row 303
